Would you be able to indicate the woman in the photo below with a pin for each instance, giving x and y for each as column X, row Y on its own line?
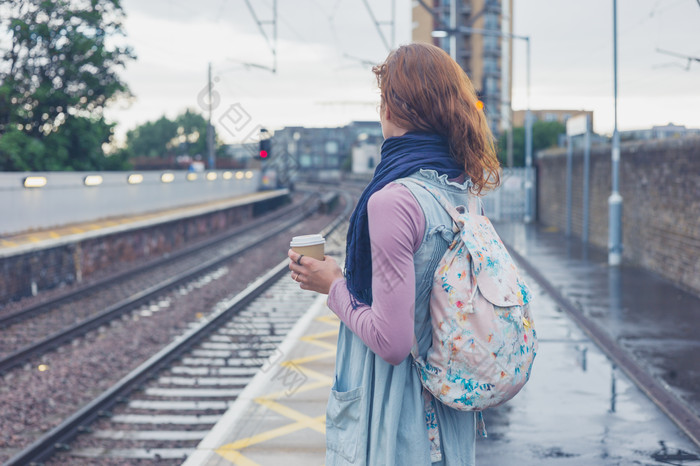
column 378, row 412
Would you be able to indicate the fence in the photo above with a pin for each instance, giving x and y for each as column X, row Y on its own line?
column 509, row 201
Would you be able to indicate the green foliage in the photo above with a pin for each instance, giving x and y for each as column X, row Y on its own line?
column 186, row 135
column 545, row 134
column 18, row 150
column 75, row 145
column 59, row 69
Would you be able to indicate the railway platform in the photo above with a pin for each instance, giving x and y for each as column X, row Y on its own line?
column 34, row 240
column 43, row 260
column 582, row 406
column 279, row 418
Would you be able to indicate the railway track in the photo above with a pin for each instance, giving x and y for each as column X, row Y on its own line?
column 111, row 280
column 169, row 402
column 32, row 331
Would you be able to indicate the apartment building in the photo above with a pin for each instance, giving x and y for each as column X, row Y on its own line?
column 472, row 31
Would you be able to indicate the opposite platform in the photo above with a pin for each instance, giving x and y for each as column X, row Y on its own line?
column 25, row 242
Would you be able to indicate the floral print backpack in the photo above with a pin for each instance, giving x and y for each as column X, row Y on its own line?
column 484, row 340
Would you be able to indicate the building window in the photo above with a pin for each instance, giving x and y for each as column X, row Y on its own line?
column 332, row 147
column 490, row 65
column 491, row 86
column 490, row 42
column 490, row 21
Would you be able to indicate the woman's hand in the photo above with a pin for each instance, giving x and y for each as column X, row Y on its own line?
column 312, row 274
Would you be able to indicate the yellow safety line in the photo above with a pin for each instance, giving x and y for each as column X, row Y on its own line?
column 53, row 234
column 329, row 333
column 312, row 357
column 269, row 434
column 236, row 457
column 306, row 371
column 328, row 319
column 273, row 401
column 293, row 414
column 303, row 388
column 322, row 344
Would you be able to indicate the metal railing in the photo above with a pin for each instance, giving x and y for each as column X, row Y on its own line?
column 509, row 201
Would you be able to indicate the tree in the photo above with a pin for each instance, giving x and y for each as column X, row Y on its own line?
column 60, row 69
column 545, row 134
column 192, row 133
column 152, row 139
column 185, row 135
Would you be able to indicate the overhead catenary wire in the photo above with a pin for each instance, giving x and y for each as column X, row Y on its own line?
column 563, row 68
column 378, row 25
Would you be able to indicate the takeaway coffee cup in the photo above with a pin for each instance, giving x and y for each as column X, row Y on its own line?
column 309, row 245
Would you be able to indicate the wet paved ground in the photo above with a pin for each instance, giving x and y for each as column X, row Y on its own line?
column 578, row 409
column 658, row 323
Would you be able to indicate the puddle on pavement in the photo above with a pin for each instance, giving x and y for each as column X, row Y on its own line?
column 578, row 409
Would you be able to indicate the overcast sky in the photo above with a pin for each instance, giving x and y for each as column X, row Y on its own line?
column 317, row 84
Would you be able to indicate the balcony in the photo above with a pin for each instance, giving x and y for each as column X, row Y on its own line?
column 492, row 51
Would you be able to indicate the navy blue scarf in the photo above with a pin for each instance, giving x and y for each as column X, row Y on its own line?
column 401, row 156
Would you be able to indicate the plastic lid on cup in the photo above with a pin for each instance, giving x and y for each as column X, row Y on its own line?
column 307, row 240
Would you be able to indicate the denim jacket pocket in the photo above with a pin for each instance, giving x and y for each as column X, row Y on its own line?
column 343, row 426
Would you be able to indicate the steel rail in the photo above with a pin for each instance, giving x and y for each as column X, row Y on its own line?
column 41, row 308
column 126, row 305
column 60, row 436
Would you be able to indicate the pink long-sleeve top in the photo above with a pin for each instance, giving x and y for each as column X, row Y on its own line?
column 396, row 229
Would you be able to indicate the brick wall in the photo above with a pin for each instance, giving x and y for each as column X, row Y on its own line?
column 660, row 187
column 51, row 268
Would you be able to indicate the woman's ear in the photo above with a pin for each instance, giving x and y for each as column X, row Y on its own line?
column 387, row 115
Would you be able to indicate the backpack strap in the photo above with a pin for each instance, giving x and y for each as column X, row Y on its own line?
column 472, row 204
column 475, row 206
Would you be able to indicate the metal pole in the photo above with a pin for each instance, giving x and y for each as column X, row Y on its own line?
column 509, row 141
column 586, row 179
column 453, row 27
column 274, row 35
column 615, row 199
column 210, row 129
column 569, row 179
column 529, row 183
column 393, row 23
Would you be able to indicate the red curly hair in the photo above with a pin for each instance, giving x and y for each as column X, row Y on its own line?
column 426, row 90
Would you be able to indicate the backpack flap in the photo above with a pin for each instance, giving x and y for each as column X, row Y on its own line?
column 494, row 269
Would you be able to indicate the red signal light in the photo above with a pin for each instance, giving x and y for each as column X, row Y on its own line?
column 263, row 154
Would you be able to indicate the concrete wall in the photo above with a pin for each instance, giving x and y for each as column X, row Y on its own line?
column 65, row 199
column 660, row 186
column 44, row 269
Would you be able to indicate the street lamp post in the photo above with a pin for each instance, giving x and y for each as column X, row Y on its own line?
column 529, row 174
column 615, row 199
column 210, row 129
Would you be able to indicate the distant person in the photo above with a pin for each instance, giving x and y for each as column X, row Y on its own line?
column 378, row 412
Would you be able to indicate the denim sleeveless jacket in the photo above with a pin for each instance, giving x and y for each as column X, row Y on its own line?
column 376, row 414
